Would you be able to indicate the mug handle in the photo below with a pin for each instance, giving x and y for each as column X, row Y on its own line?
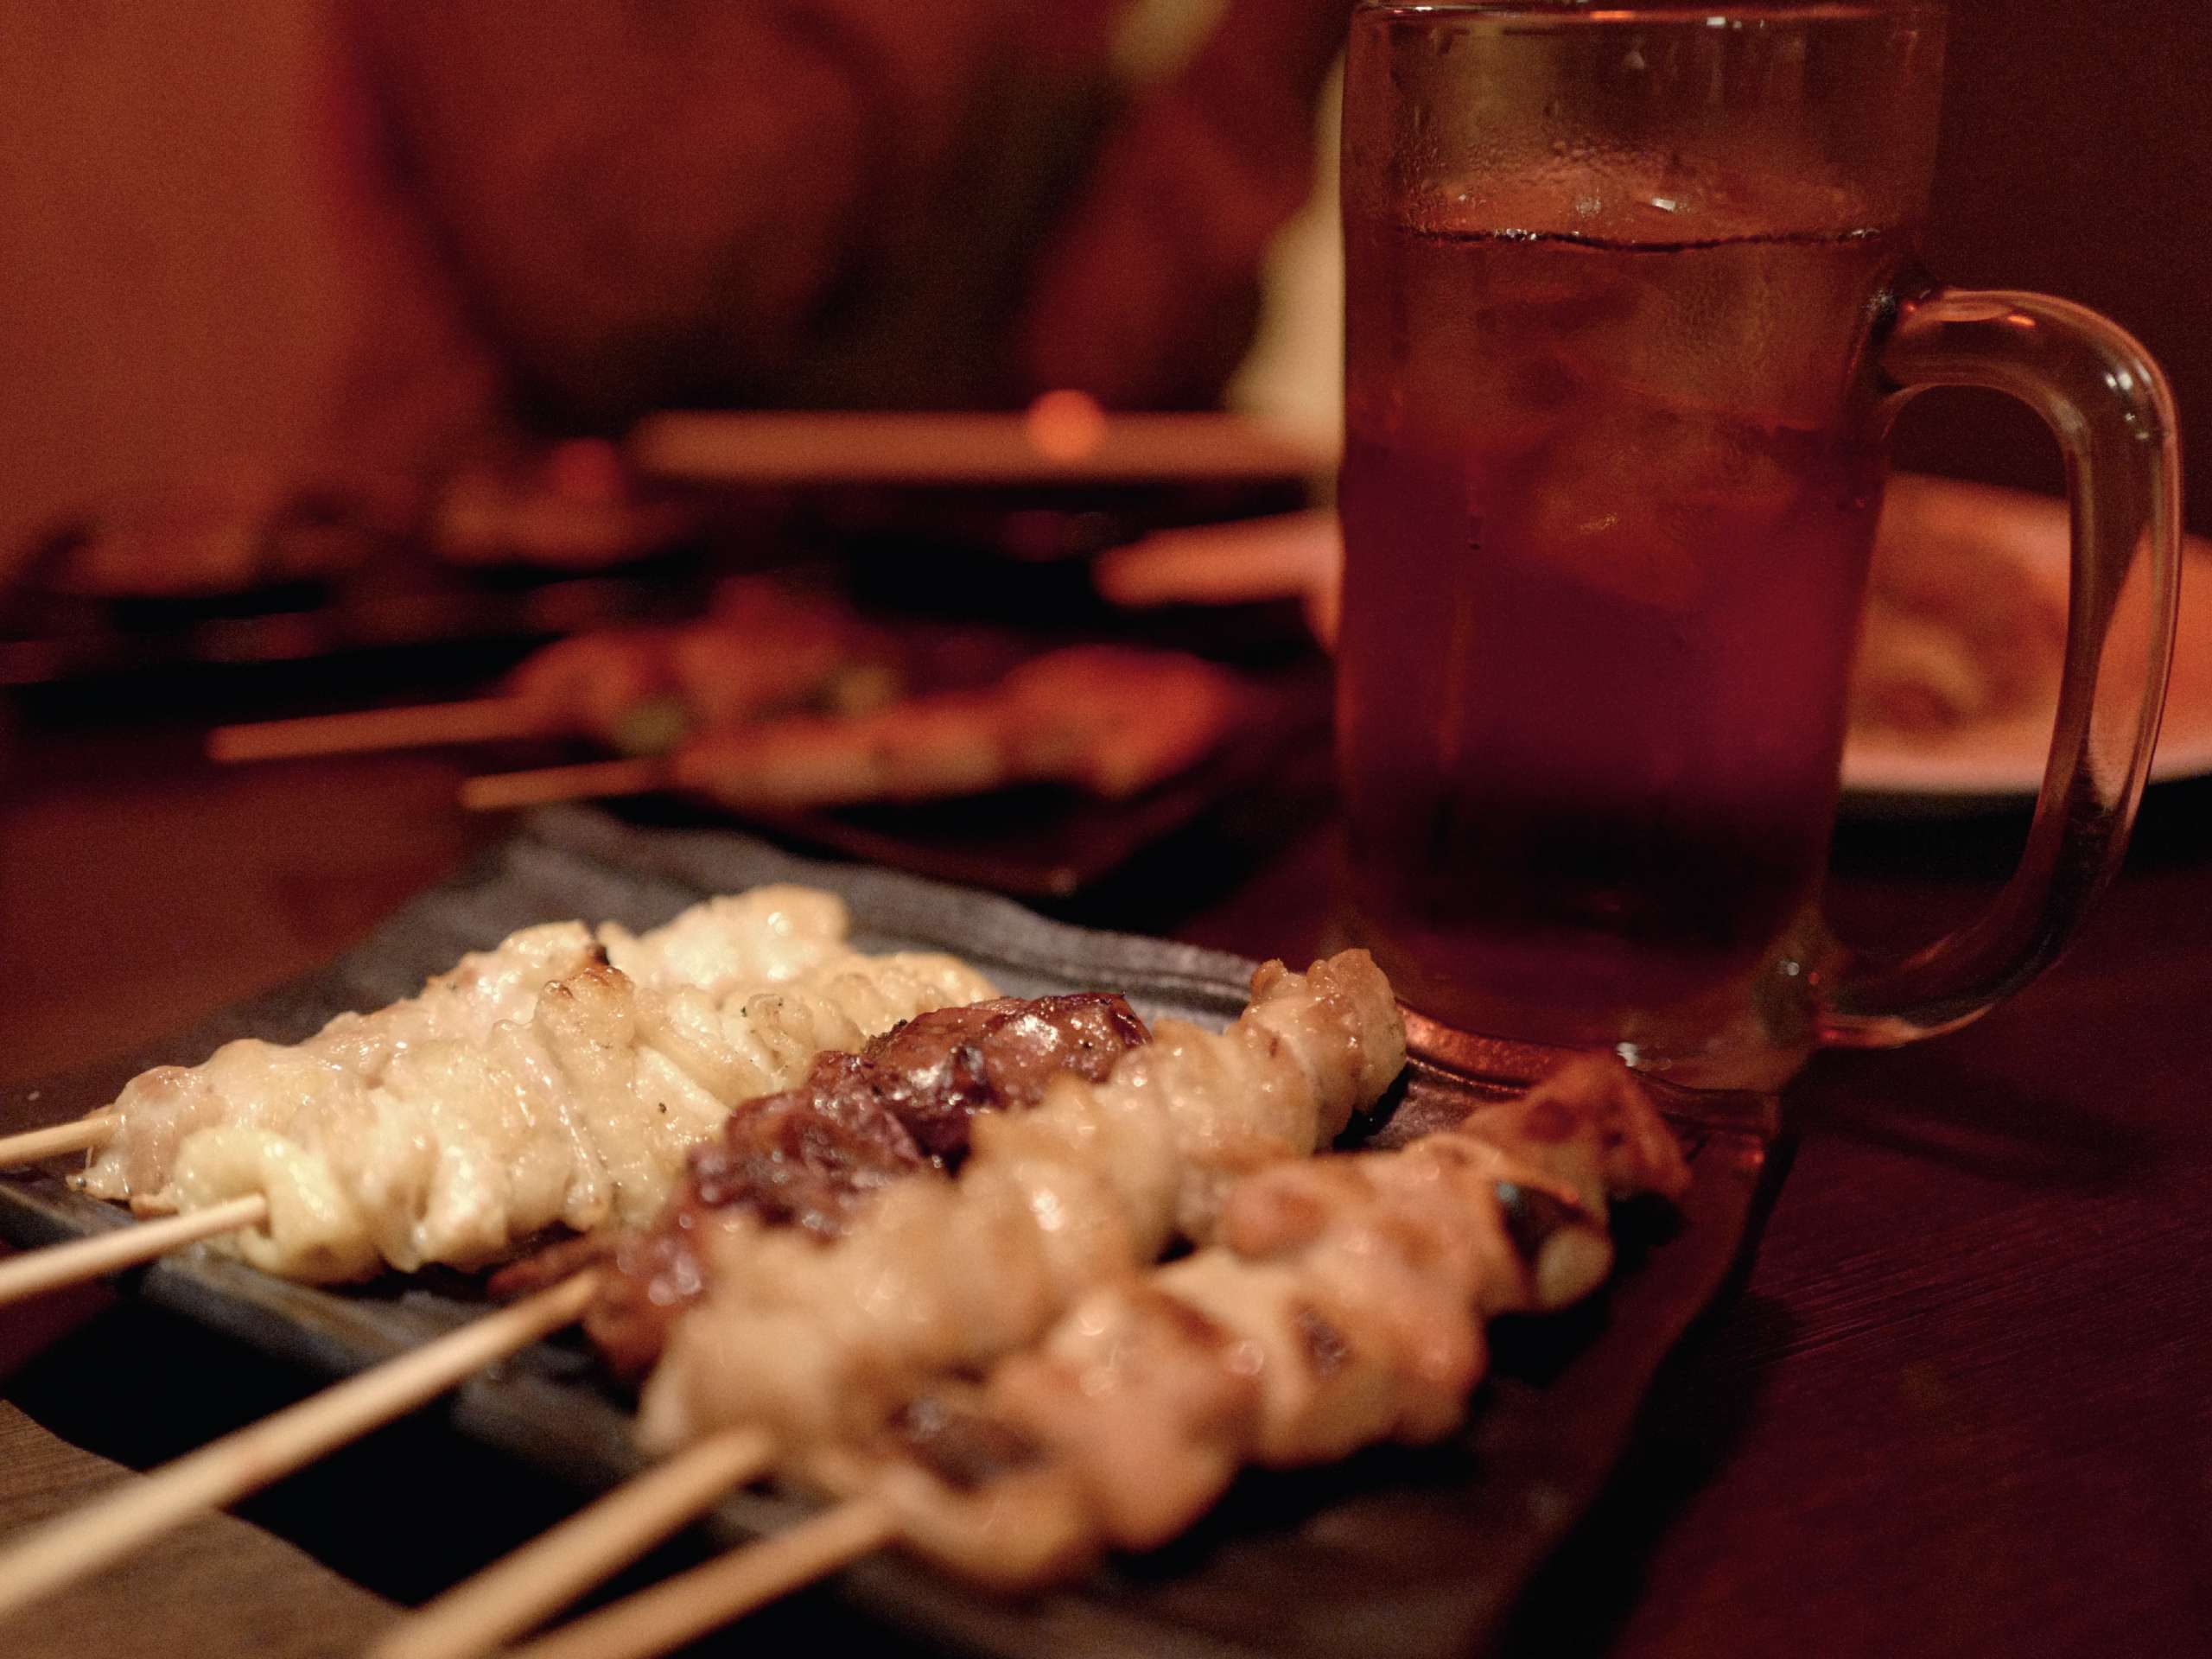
column 2113, row 416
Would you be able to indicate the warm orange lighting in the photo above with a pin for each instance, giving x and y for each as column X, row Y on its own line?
column 1064, row 425
column 585, row 470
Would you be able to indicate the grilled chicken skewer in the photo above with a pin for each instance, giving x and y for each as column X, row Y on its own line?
column 535, row 1084
column 581, row 1115
column 137, row 1134
column 764, row 938
column 1103, row 1175
column 810, row 1159
column 918, row 1086
column 755, row 940
column 1108, row 720
column 762, row 650
column 1161, row 1135
column 1342, row 1305
column 816, row 1343
column 813, row 1159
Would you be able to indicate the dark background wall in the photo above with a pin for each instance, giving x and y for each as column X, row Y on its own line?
column 2076, row 159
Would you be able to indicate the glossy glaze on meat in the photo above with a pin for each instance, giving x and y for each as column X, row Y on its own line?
column 941, row 1070
column 558, row 1079
column 1342, row 1303
column 815, row 1342
column 810, row 1158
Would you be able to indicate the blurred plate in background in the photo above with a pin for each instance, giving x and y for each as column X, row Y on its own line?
column 1956, row 689
column 1958, row 678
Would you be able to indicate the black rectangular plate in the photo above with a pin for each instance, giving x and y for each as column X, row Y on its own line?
column 1396, row 1554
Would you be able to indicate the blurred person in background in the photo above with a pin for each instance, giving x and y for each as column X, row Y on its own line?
column 252, row 242
column 258, row 241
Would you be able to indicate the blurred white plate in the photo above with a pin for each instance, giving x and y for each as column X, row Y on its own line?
column 2001, row 762
column 1977, row 766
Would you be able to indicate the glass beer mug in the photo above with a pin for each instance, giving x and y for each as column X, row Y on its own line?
column 1632, row 300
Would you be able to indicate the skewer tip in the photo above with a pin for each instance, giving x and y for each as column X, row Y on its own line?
column 35, row 1146
column 55, row 1267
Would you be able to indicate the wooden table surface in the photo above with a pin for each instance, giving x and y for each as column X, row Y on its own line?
column 1961, row 1403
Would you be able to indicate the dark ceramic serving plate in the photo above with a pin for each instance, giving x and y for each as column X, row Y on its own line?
column 1399, row 1553
column 1045, row 843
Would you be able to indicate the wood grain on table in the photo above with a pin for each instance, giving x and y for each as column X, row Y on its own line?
column 220, row 1586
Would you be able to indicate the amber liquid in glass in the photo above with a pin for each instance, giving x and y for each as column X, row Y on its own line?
column 1607, row 509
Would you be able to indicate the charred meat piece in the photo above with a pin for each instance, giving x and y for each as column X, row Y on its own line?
column 811, row 1157
column 941, row 1070
column 806, row 1157
column 961, row 1444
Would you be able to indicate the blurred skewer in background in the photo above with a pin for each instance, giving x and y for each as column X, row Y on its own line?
column 764, row 648
column 1109, row 720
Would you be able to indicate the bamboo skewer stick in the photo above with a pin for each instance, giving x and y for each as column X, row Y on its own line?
column 35, row 1272
column 228, row 1469
column 484, row 719
column 34, row 1145
column 653, row 1621
column 527, row 1587
column 595, row 780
